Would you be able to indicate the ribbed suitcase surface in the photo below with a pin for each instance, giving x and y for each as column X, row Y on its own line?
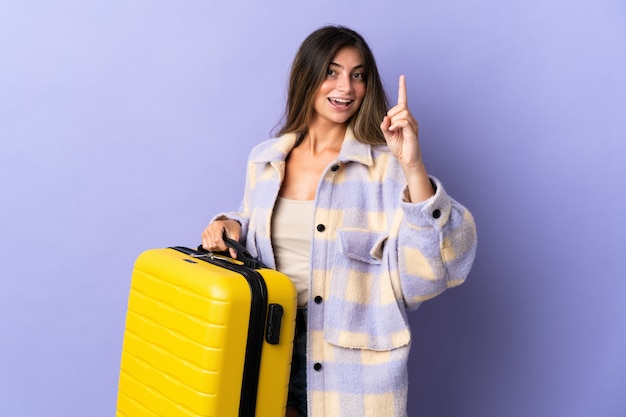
column 186, row 345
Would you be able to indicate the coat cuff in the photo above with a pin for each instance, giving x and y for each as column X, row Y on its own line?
column 433, row 212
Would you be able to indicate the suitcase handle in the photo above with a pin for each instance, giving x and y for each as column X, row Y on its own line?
column 242, row 253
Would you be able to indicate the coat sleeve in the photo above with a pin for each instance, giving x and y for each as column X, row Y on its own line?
column 243, row 214
column 436, row 245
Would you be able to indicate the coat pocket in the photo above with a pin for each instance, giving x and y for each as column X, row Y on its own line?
column 362, row 245
column 362, row 311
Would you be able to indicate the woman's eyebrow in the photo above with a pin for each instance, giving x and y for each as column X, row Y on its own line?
column 334, row 64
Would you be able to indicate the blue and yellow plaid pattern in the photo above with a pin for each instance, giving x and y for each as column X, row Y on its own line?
column 374, row 256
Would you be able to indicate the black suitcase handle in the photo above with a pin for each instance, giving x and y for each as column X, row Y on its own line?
column 242, row 253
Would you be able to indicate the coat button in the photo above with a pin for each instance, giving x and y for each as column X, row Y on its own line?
column 436, row 213
column 317, row 366
column 321, row 227
column 318, row 299
column 335, row 168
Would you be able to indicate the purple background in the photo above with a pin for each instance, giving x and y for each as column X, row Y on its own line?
column 124, row 125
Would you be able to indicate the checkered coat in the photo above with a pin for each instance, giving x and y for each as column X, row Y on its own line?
column 374, row 256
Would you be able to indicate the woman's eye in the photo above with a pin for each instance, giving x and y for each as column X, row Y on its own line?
column 330, row 72
column 359, row 76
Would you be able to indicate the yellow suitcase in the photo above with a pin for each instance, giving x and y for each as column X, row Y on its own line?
column 206, row 336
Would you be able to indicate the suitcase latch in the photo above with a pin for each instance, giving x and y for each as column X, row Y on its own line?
column 274, row 318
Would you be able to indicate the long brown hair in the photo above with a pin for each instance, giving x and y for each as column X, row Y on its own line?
column 308, row 71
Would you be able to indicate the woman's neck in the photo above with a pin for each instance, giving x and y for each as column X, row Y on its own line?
column 324, row 137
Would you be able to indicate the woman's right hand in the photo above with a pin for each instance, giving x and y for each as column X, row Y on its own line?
column 212, row 236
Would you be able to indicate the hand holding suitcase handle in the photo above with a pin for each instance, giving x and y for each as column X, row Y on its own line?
column 242, row 253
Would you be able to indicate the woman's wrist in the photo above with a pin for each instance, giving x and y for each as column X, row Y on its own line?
column 418, row 182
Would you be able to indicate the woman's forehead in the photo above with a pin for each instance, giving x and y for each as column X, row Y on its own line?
column 347, row 55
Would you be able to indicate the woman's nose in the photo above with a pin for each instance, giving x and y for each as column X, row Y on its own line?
column 344, row 84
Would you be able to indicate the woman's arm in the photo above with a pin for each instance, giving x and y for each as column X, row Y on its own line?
column 233, row 223
column 401, row 133
column 435, row 245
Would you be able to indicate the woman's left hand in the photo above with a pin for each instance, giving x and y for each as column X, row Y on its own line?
column 400, row 130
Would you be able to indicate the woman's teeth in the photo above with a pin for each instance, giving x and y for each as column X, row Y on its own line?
column 340, row 101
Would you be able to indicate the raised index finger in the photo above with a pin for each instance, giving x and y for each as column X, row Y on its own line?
column 402, row 90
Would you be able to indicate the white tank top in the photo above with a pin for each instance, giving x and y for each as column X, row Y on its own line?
column 292, row 221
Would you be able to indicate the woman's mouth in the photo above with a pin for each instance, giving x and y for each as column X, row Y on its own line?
column 340, row 102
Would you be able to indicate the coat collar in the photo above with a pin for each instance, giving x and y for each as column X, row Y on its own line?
column 351, row 150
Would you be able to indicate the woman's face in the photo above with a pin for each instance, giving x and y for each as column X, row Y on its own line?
column 341, row 94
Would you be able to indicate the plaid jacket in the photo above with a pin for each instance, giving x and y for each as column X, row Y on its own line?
column 373, row 257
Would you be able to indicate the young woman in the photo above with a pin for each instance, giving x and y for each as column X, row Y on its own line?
column 341, row 202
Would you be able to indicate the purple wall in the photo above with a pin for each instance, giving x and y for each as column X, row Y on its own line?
column 125, row 125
